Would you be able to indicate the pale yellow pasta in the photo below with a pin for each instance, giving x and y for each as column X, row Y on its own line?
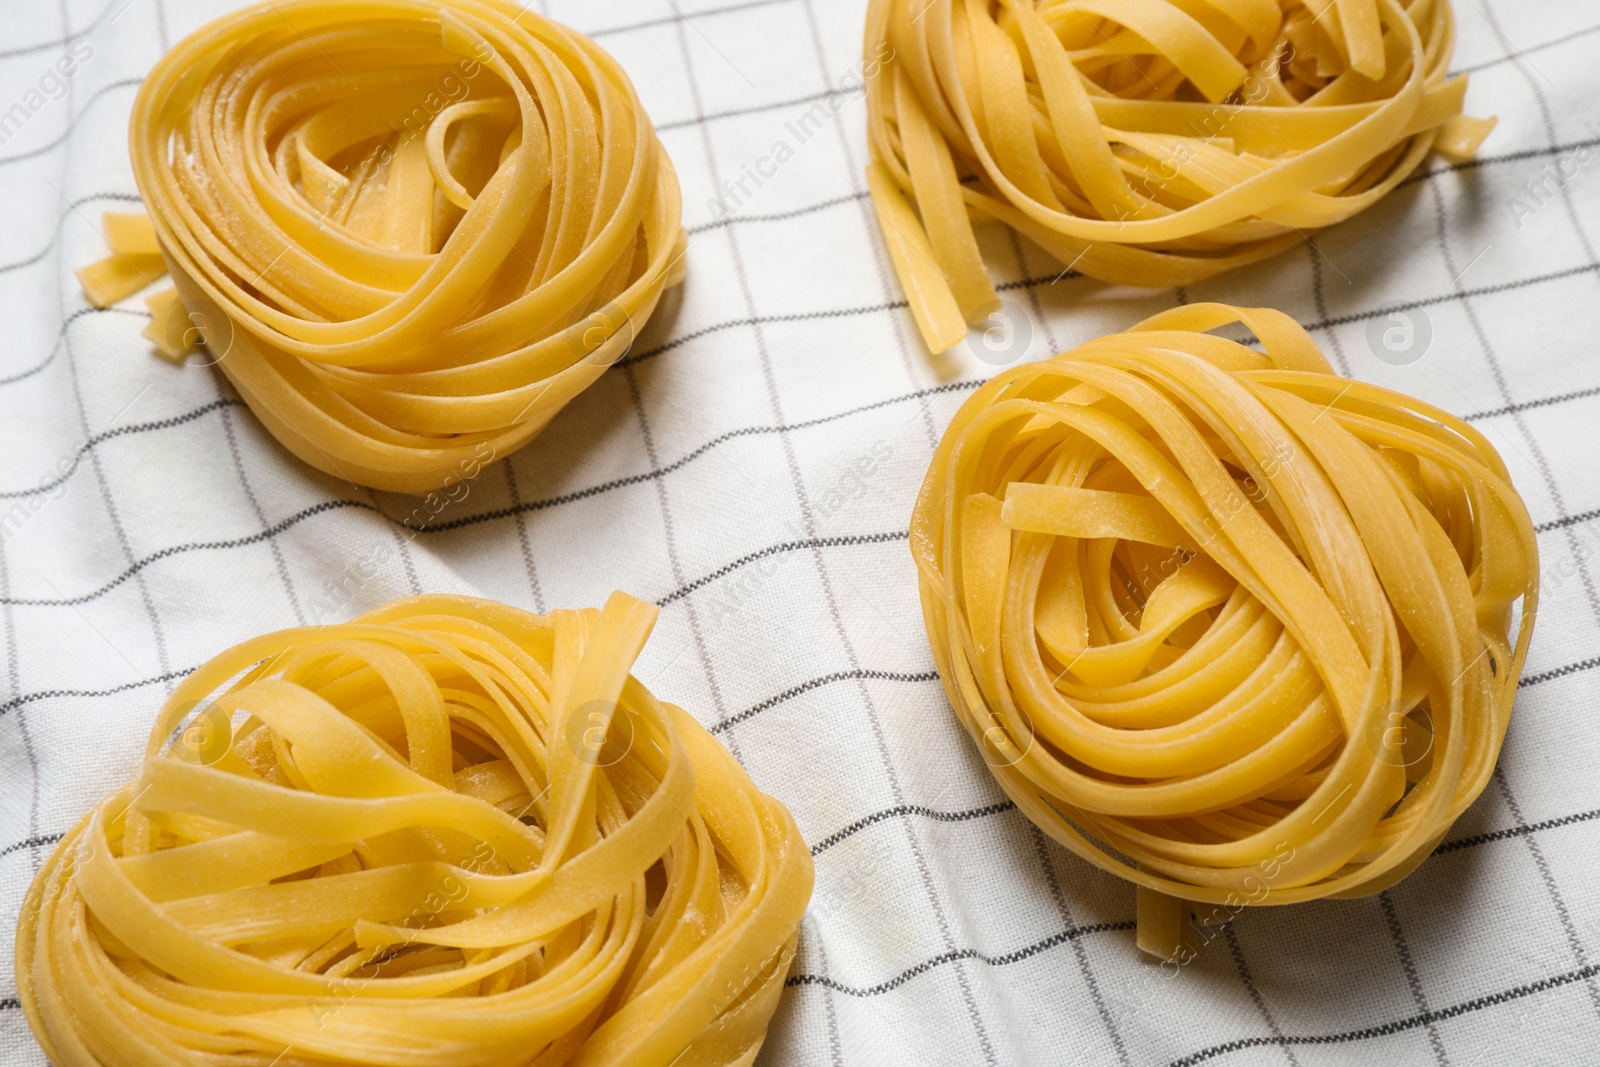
column 447, row 833
column 1223, row 623
column 1142, row 142
column 408, row 231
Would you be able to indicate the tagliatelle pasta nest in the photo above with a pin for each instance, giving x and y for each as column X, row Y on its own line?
column 405, row 230
column 1146, row 142
column 448, row 832
column 1221, row 622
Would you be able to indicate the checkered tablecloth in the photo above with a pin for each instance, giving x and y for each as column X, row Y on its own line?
column 751, row 466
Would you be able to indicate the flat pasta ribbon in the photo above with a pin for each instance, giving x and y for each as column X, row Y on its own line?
column 1142, row 142
column 447, row 833
column 1223, row 623
column 407, row 231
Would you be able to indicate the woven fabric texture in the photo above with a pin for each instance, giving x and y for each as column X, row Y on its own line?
column 751, row 466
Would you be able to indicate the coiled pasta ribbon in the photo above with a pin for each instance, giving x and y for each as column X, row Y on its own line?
column 1146, row 142
column 405, row 229
column 446, row 833
column 1223, row 623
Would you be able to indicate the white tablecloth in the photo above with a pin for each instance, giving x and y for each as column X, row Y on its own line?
column 752, row 466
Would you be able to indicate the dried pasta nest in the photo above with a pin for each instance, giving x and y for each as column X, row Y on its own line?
column 448, row 832
column 1221, row 622
column 1154, row 143
column 409, row 232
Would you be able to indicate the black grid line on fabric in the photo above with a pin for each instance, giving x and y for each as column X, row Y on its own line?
column 401, row 543
column 808, row 518
column 119, row 431
column 520, row 507
column 1014, row 241
column 922, row 811
column 957, row 955
column 1559, row 672
column 1424, row 1018
column 32, row 842
column 682, row 17
column 1557, row 897
column 524, row 539
column 1021, row 954
column 909, row 809
column 783, row 547
column 280, row 563
column 72, row 123
column 1530, row 50
column 514, row 494
column 1527, row 680
column 59, row 42
column 1567, row 520
column 61, row 333
column 73, row 206
column 1478, row 162
column 1236, row 950
column 888, row 284
column 1320, row 324
column 94, row 24
column 1319, row 296
column 1080, row 953
column 13, row 657
column 737, row 112
column 778, row 216
column 675, row 124
column 1529, row 405
column 1033, row 284
column 1000, row 807
column 817, row 683
column 879, row 816
column 1408, row 967
column 830, row 1014
column 757, row 321
column 138, row 565
column 1461, row 295
column 834, row 541
column 1424, row 175
column 14, row 685
column 1520, row 830
column 65, row 292
column 693, row 84
column 814, row 97
column 23, row 699
column 674, row 559
column 827, row 313
column 657, row 472
column 1410, row 1022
